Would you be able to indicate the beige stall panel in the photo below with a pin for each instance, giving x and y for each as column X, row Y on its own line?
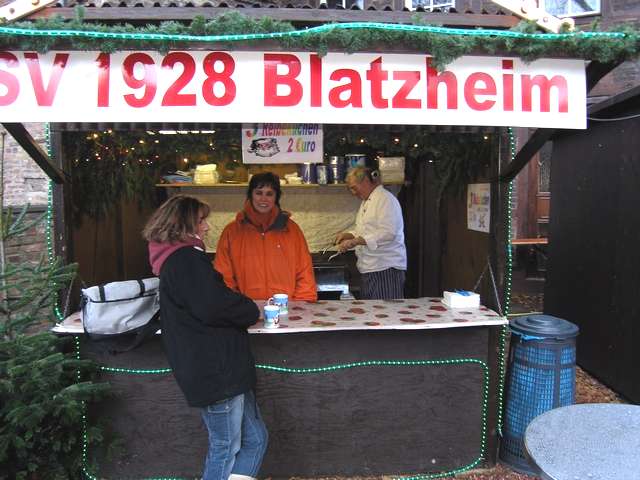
column 321, row 212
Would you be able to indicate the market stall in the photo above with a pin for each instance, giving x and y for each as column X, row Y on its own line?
column 344, row 389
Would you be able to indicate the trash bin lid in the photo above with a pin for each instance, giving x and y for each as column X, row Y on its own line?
column 545, row 326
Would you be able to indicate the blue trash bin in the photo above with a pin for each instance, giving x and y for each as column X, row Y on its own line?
column 542, row 376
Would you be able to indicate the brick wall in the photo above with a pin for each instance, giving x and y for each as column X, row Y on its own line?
column 31, row 244
column 25, row 184
column 24, row 181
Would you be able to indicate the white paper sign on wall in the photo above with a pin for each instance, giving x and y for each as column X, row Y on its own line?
column 479, row 206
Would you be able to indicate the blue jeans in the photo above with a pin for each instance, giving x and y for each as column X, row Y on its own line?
column 237, row 437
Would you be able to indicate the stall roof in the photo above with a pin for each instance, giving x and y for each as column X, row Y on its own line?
column 308, row 13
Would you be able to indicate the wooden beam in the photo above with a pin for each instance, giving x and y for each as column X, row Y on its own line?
column 612, row 102
column 529, row 149
column 595, row 72
column 35, row 151
column 298, row 15
column 16, row 9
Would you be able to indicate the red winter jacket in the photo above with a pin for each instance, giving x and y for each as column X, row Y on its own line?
column 261, row 264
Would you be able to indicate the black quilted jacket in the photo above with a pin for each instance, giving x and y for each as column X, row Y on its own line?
column 204, row 329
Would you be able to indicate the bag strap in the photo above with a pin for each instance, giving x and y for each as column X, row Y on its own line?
column 145, row 332
column 103, row 296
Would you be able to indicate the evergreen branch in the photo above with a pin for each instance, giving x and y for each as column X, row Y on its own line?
column 18, row 226
column 444, row 44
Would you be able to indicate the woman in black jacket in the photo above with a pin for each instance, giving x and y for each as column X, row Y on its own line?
column 204, row 331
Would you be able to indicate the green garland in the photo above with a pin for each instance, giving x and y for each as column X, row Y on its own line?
column 107, row 167
column 445, row 44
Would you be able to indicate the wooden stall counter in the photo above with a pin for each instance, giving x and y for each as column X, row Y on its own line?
column 346, row 388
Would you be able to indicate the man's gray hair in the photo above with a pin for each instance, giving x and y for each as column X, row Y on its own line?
column 360, row 173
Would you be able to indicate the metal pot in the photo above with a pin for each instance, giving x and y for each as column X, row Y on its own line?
column 355, row 160
column 337, row 170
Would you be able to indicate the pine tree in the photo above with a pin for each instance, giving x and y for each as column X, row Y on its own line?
column 42, row 397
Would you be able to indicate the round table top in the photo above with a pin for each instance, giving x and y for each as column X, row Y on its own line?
column 598, row 441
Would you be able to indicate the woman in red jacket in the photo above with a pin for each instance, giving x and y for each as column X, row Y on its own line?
column 263, row 251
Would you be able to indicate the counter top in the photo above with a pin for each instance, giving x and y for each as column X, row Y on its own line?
column 408, row 314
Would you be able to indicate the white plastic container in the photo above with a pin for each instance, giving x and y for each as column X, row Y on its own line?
column 458, row 300
column 391, row 169
column 206, row 174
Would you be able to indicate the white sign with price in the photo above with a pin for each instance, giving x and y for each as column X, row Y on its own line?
column 282, row 143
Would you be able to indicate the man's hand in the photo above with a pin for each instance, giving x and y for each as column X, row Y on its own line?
column 341, row 237
column 350, row 243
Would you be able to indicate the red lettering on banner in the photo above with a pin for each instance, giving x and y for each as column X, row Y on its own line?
column 272, row 79
column 434, row 80
column 400, row 100
column 45, row 95
column 544, row 85
column 148, row 80
column 507, row 86
column 472, row 90
column 9, row 80
column 315, row 70
column 223, row 77
column 376, row 75
column 173, row 97
column 354, row 88
column 104, row 75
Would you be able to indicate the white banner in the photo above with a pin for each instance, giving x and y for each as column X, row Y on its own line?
column 259, row 87
column 282, row 143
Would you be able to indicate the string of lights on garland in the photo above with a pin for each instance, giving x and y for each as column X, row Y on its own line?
column 48, row 228
column 509, row 214
column 443, row 43
column 330, row 369
column 504, row 331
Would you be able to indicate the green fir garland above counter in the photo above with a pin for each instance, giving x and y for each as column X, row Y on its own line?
column 236, row 31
